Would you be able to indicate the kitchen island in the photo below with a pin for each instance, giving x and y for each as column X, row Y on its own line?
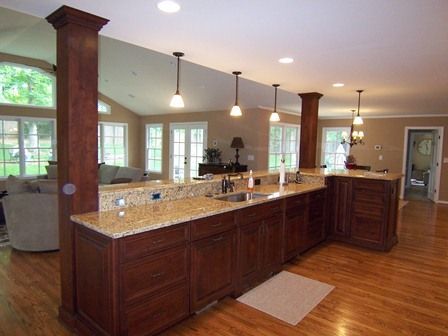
column 142, row 269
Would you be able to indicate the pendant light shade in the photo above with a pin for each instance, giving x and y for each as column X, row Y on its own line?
column 358, row 120
column 274, row 114
column 236, row 110
column 177, row 100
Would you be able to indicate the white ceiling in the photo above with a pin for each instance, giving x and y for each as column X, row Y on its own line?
column 395, row 50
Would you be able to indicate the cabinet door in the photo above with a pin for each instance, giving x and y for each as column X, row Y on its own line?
column 295, row 226
column 249, row 256
column 273, row 235
column 341, row 209
column 212, row 269
column 317, row 216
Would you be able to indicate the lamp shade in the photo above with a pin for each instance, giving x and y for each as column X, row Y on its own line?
column 177, row 101
column 358, row 120
column 237, row 142
column 274, row 117
column 236, row 111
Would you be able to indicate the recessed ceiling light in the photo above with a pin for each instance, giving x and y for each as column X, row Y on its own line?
column 286, row 60
column 338, row 84
column 168, row 6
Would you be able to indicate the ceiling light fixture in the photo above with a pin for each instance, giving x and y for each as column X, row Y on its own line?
column 356, row 137
column 177, row 100
column 358, row 120
column 168, row 6
column 274, row 114
column 236, row 111
column 338, row 85
column 286, row 60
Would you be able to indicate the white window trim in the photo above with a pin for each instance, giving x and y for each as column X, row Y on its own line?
column 147, row 127
column 53, row 91
column 323, row 140
column 283, row 138
column 21, row 120
column 107, row 123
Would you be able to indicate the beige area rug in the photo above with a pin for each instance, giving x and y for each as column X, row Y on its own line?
column 287, row 296
column 402, row 204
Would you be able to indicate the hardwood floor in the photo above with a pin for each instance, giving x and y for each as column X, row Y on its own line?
column 403, row 292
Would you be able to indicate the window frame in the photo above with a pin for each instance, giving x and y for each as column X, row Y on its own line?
column 53, row 90
column 283, row 142
column 324, row 143
column 21, row 141
column 147, row 148
column 100, row 136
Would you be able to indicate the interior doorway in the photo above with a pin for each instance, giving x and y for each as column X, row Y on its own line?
column 421, row 163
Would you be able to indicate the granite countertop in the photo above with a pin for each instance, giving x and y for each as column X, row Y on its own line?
column 351, row 173
column 132, row 220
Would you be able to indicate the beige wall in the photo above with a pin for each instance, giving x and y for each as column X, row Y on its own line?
column 389, row 133
column 252, row 126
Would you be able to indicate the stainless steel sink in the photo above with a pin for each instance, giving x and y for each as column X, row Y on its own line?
column 241, row 197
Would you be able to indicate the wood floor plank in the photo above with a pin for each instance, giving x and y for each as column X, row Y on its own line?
column 402, row 292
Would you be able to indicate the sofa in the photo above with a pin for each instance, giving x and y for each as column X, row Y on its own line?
column 31, row 214
column 107, row 174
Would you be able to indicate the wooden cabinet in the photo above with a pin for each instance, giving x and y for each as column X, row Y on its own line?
column 305, row 222
column 342, row 199
column 296, row 217
column 260, row 237
column 365, row 212
column 213, row 259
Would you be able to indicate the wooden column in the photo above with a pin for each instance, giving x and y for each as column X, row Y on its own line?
column 77, row 122
column 308, row 129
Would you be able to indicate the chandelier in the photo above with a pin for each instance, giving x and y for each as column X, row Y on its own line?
column 356, row 136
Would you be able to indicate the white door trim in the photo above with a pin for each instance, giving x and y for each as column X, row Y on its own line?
column 439, row 157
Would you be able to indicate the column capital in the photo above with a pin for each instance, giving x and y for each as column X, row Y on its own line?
column 309, row 95
column 65, row 15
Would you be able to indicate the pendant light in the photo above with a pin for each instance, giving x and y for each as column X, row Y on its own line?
column 274, row 115
column 177, row 100
column 236, row 111
column 358, row 120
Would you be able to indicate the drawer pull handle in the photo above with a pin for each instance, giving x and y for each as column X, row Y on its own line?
column 158, row 241
column 157, row 275
column 216, row 224
column 217, row 239
column 253, row 214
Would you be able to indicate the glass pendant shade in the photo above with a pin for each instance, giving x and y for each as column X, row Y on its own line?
column 358, row 120
column 274, row 117
column 177, row 101
column 355, row 134
column 236, row 111
column 361, row 134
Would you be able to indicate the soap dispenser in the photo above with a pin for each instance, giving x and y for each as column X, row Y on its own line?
column 250, row 182
column 282, row 179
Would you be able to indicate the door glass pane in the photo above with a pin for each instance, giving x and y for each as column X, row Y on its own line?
column 196, row 150
column 179, row 154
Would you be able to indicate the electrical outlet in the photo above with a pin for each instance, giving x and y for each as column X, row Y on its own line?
column 380, row 157
column 155, row 196
column 215, row 143
column 250, row 157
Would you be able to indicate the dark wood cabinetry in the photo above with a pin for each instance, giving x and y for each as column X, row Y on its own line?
column 260, row 237
column 213, row 259
column 220, row 168
column 305, row 222
column 364, row 212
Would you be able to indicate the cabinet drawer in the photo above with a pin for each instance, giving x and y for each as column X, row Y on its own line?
column 372, row 186
column 156, row 314
column 259, row 212
column 151, row 274
column 209, row 226
column 296, row 201
column 140, row 245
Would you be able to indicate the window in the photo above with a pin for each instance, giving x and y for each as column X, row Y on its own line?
column 112, row 143
column 103, row 108
column 23, row 85
column 333, row 152
column 26, row 145
column 283, row 142
column 154, row 140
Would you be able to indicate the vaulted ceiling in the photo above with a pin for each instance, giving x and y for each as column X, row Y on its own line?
column 395, row 50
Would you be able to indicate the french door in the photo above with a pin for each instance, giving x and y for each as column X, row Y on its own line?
column 187, row 144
